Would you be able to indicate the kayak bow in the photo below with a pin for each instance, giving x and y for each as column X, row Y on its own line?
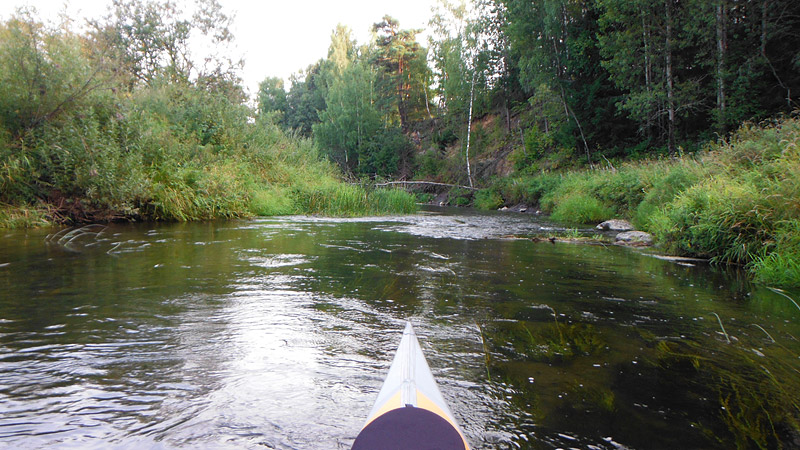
column 410, row 412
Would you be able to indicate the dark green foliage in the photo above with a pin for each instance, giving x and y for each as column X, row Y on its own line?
column 444, row 138
column 488, row 199
column 687, row 67
column 678, row 71
column 383, row 153
column 537, row 151
column 272, row 96
column 402, row 72
column 430, row 164
column 554, row 45
column 460, row 197
column 304, row 101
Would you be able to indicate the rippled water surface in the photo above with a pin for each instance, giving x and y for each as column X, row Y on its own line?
column 276, row 333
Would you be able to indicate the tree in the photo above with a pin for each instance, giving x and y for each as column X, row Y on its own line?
column 460, row 54
column 633, row 44
column 146, row 40
column 342, row 50
column 43, row 73
column 305, row 99
column 682, row 76
column 762, row 63
column 350, row 121
column 397, row 55
column 447, row 43
column 554, row 44
column 272, row 97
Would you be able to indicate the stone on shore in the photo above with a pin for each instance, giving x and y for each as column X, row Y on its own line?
column 615, row 225
column 635, row 238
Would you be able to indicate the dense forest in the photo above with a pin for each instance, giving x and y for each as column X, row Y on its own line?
column 574, row 81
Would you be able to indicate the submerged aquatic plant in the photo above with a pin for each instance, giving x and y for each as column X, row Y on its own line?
column 727, row 338
column 553, row 342
column 783, row 293
column 755, row 392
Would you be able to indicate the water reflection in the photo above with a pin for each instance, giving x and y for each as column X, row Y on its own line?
column 276, row 333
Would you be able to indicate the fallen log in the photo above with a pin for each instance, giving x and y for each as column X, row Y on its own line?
column 431, row 183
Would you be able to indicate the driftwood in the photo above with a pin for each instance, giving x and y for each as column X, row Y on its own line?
column 432, row 183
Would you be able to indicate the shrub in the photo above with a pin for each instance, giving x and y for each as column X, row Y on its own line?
column 488, row 199
column 429, row 164
column 423, row 197
column 445, row 138
column 460, row 197
column 528, row 189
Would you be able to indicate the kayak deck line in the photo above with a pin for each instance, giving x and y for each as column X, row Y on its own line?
column 410, row 412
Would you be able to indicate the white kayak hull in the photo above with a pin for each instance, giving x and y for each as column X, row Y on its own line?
column 410, row 412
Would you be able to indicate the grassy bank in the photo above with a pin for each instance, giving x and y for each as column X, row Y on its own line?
column 143, row 163
column 736, row 202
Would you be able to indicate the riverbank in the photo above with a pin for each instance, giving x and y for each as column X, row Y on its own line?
column 737, row 202
column 269, row 174
column 171, row 153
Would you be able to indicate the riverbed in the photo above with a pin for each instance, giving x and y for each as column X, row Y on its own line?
column 277, row 333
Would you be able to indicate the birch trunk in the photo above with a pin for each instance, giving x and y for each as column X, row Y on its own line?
column 469, row 129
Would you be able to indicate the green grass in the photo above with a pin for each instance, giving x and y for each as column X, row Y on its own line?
column 157, row 160
column 580, row 208
column 275, row 201
column 23, row 217
column 738, row 201
column 393, row 201
column 781, row 267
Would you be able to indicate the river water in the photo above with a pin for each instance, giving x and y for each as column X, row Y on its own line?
column 277, row 333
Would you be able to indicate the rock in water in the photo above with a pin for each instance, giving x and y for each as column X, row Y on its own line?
column 637, row 238
column 615, row 225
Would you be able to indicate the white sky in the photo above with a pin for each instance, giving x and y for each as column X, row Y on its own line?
column 275, row 38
